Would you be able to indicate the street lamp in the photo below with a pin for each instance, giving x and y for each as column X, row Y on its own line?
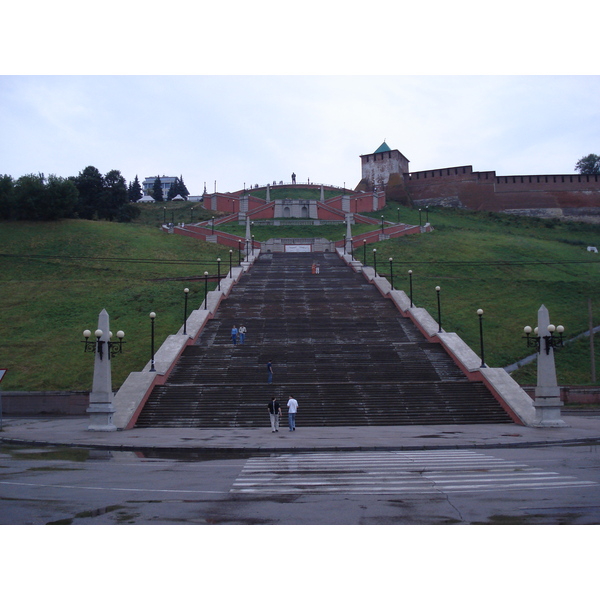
column 186, row 291
column 219, row 274
column 205, row 287
column 398, row 210
column 391, row 272
column 410, row 286
column 437, row 289
column 98, row 345
column 192, row 214
column 375, row 261
column 152, row 317
column 164, row 215
column 426, row 215
column 551, row 341
column 480, row 313
column 381, row 224
column 365, row 252
column 230, row 268
column 419, row 217
column 240, row 252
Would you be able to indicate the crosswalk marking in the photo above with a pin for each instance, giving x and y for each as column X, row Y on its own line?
column 419, row 472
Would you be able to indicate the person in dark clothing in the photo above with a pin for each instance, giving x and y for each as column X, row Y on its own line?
column 274, row 413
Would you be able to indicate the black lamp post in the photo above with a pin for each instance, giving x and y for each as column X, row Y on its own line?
column 437, row 289
column 427, row 214
column 186, row 291
column 381, row 224
column 205, row 287
column 252, row 246
column 410, row 286
column 164, row 215
column 239, row 252
column 365, row 252
column 480, row 313
column 152, row 317
column 219, row 274
column 212, row 226
column 419, row 217
column 230, row 257
column 391, row 272
column 375, row 261
column 192, row 214
column 398, row 211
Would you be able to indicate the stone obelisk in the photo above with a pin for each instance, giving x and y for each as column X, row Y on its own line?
column 101, row 408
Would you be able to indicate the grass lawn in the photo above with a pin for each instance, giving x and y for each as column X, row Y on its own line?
column 57, row 277
column 47, row 301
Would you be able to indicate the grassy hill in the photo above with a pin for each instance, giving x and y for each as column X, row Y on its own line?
column 57, row 277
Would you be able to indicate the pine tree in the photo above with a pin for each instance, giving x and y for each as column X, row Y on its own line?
column 134, row 192
column 157, row 191
column 183, row 191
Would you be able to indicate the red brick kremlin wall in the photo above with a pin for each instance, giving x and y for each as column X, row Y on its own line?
column 461, row 186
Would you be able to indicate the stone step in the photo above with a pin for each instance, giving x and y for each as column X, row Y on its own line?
column 341, row 349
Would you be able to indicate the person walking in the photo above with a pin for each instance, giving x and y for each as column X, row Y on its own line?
column 242, row 332
column 274, row 414
column 269, row 372
column 234, row 334
column 292, row 410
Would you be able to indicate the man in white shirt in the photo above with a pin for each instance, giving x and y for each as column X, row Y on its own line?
column 292, row 410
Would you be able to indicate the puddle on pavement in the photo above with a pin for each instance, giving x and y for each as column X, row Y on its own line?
column 69, row 454
column 45, row 453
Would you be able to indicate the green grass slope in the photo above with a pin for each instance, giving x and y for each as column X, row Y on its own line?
column 56, row 277
column 508, row 266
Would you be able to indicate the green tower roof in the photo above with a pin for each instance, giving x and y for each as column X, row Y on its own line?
column 383, row 148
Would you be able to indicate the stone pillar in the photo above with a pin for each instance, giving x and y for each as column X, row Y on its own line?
column 249, row 238
column 268, row 193
column 348, row 248
column 547, row 401
column 101, row 408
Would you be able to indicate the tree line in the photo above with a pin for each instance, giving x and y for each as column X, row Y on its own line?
column 177, row 188
column 89, row 195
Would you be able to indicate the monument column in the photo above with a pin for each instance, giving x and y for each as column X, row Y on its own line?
column 348, row 248
column 101, row 408
column 547, row 401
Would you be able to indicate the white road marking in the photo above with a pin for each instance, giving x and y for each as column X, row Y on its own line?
column 421, row 472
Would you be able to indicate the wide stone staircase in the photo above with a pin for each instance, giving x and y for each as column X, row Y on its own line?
column 341, row 349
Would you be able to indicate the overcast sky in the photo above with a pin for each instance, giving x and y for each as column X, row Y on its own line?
column 238, row 130
column 90, row 94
